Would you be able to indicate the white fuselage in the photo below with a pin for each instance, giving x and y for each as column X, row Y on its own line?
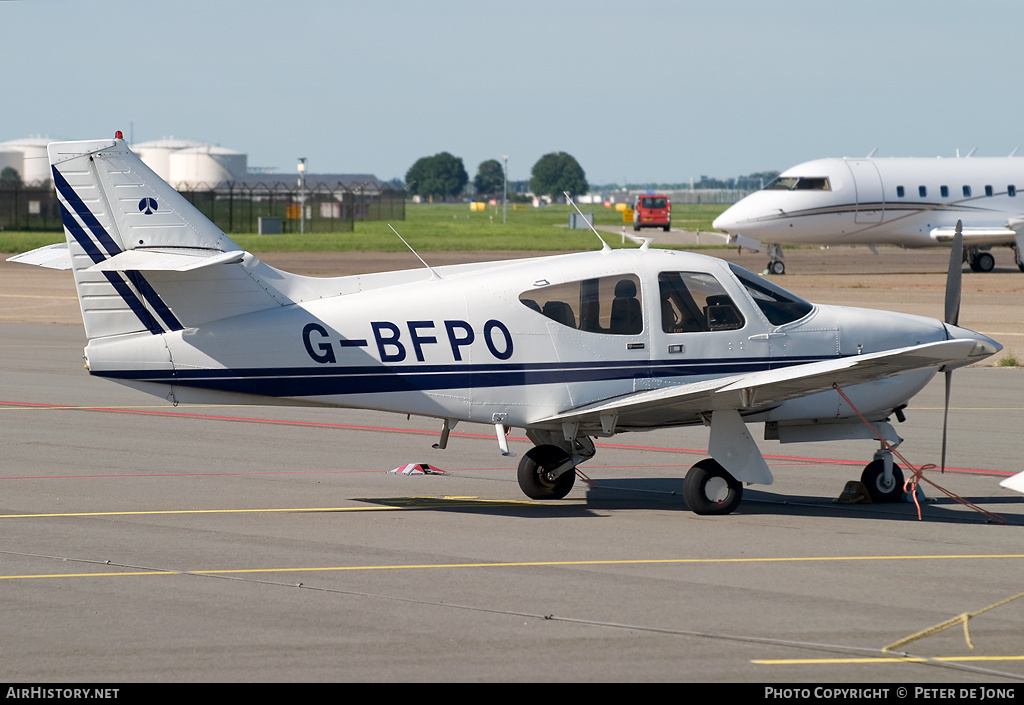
column 466, row 347
column 909, row 202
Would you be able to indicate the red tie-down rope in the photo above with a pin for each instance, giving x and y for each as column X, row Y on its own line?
column 917, row 474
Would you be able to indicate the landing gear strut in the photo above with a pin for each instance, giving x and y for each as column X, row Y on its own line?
column 777, row 261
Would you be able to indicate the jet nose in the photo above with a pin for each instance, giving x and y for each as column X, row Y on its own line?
column 983, row 345
column 727, row 222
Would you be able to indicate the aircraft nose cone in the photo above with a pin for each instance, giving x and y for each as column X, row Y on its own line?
column 724, row 222
column 983, row 345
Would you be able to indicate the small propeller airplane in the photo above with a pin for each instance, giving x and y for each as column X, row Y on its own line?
column 568, row 347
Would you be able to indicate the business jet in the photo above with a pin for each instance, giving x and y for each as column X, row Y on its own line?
column 568, row 347
column 909, row 202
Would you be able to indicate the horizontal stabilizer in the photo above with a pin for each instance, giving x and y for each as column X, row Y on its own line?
column 166, row 259
column 53, row 256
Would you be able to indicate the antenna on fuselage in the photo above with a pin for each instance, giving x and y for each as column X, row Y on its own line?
column 1014, row 152
column 604, row 245
column 872, row 153
column 433, row 274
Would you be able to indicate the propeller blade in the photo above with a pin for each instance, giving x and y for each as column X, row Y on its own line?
column 954, row 276
column 945, row 417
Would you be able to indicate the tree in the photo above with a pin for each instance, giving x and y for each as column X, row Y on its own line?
column 490, row 177
column 441, row 175
column 10, row 175
column 556, row 173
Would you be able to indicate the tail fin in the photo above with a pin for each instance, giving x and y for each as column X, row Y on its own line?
column 140, row 252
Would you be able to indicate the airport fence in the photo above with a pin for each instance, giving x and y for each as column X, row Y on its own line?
column 233, row 207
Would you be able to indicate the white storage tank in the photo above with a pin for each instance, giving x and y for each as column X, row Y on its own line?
column 35, row 166
column 205, row 167
column 156, row 154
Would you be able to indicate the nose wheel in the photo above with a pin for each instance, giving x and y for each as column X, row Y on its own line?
column 882, row 488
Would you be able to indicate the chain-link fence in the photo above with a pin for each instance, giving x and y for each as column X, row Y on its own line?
column 234, row 207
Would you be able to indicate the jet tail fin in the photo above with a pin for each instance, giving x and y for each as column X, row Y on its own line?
column 143, row 257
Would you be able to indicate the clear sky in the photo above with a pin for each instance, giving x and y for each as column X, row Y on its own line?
column 638, row 90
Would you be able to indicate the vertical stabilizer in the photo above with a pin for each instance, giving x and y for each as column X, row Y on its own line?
column 123, row 224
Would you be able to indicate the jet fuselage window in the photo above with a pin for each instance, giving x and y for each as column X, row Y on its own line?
column 778, row 305
column 1011, row 190
column 967, row 191
column 694, row 302
column 944, row 190
column 610, row 305
column 988, row 190
column 900, row 192
column 799, row 183
column 922, row 191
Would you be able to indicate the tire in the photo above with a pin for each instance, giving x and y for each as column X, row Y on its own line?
column 873, row 479
column 668, row 226
column 709, row 489
column 777, row 267
column 985, row 262
column 534, row 480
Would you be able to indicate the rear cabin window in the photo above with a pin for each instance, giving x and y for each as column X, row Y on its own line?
column 778, row 305
column 693, row 302
column 967, row 191
column 610, row 305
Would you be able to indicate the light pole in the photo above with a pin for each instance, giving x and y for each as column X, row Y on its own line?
column 504, row 193
column 302, row 195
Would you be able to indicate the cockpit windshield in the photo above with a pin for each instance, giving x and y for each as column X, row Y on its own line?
column 799, row 183
column 778, row 305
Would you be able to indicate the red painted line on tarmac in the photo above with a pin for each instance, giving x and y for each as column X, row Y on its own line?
column 384, row 429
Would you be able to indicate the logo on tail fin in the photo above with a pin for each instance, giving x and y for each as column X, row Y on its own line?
column 148, row 206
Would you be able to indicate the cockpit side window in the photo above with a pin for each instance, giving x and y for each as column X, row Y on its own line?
column 778, row 305
column 610, row 305
column 799, row 183
column 693, row 302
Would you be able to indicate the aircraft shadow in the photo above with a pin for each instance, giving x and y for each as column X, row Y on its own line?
column 666, row 493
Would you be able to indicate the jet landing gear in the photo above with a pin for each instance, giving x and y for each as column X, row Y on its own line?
column 708, row 488
column 777, row 261
column 980, row 260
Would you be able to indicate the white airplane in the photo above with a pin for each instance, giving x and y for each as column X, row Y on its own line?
column 567, row 347
column 909, row 202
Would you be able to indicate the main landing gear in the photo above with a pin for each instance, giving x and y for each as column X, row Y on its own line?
column 708, row 488
column 777, row 260
column 980, row 260
column 548, row 470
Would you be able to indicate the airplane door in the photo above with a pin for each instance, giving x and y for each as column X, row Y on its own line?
column 870, row 197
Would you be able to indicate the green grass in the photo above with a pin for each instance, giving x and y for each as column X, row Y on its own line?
column 1009, row 360
column 435, row 227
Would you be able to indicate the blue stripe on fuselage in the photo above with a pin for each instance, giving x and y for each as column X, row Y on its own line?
column 340, row 381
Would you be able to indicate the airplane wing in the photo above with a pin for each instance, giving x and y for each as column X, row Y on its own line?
column 770, row 387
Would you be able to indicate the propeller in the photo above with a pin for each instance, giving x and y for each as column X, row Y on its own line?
column 953, row 288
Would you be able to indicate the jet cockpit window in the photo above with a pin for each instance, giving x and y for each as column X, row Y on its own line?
column 610, row 305
column 778, row 305
column 799, row 183
column 693, row 302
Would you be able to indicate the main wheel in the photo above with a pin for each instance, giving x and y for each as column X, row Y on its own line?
column 535, row 469
column 709, row 489
column 881, row 491
column 777, row 267
column 985, row 262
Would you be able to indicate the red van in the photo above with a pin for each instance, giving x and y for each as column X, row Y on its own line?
column 652, row 211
